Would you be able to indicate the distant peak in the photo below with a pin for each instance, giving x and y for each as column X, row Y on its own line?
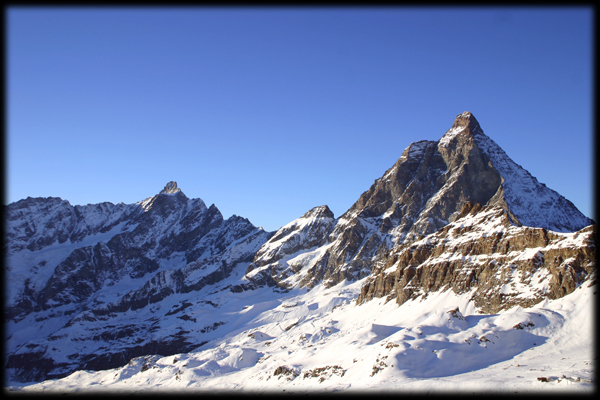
column 170, row 188
column 319, row 212
column 466, row 119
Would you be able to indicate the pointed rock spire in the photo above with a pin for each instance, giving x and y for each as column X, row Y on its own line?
column 170, row 188
column 318, row 212
column 466, row 119
column 465, row 125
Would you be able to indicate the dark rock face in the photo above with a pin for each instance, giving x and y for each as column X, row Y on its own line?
column 420, row 194
column 84, row 267
column 527, row 201
column 170, row 188
column 62, row 222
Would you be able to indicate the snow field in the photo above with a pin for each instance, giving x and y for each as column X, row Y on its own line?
column 321, row 341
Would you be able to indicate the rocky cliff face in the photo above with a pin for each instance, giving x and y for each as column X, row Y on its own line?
column 424, row 191
column 528, row 202
column 510, row 243
column 483, row 253
column 76, row 270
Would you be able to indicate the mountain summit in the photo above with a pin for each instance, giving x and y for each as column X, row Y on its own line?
column 466, row 120
column 97, row 269
column 170, row 188
column 528, row 201
column 426, row 189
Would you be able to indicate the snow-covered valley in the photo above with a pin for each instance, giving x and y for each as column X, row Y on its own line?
column 321, row 341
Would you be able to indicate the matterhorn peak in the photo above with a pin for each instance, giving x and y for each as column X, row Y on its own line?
column 466, row 120
column 464, row 124
column 170, row 188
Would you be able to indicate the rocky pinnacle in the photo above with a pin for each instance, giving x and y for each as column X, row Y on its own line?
column 170, row 188
column 468, row 120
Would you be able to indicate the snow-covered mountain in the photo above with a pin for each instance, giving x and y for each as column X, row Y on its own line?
column 75, row 272
column 425, row 190
column 488, row 270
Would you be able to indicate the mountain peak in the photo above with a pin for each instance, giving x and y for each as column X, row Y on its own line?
column 319, row 212
column 170, row 188
column 464, row 124
column 532, row 203
column 466, row 120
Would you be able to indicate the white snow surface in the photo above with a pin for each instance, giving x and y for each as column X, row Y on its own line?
column 323, row 342
column 532, row 202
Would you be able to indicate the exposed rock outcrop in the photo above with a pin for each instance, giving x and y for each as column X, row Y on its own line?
column 484, row 254
column 93, row 286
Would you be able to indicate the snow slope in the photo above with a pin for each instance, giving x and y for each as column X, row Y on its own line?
column 321, row 341
column 79, row 276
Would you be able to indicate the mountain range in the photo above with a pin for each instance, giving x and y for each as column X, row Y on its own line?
column 454, row 224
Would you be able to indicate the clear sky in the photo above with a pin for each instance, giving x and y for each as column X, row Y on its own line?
column 268, row 112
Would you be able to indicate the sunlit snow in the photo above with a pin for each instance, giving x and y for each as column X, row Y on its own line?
column 321, row 341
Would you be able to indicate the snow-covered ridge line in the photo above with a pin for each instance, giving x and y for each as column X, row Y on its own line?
column 420, row 194
column 531, row 201
column 79, row 292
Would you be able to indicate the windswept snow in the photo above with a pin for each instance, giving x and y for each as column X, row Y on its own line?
column 321, row 341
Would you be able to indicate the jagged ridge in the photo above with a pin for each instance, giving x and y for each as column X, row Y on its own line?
column 81, row 275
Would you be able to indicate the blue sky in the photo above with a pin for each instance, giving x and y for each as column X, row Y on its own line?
column 268, row 112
